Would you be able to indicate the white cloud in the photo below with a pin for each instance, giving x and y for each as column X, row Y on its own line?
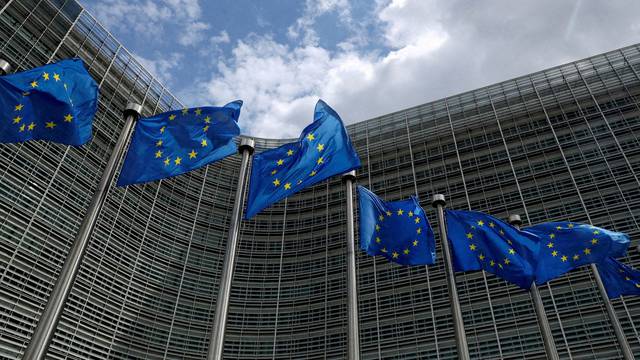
column 152, row 19
column 162, row 66
column 221, row 38
column 435, row 49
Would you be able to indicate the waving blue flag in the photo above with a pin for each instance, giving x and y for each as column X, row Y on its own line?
column 482, row 242
column 55, row 102
column 323, row 150
column 176, row 142
column 397, row 230
column 618, row 278
column 566, row 245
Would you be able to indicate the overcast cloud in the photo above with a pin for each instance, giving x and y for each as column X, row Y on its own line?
column 406, row 53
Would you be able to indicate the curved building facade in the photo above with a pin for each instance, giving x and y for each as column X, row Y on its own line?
column 554, row 145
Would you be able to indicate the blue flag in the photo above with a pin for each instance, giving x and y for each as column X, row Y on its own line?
column 176, row 142
column 482, row 242
column 565, row 245
column 323, row 150
column 55, row 102
column 618, row 278
column 397, row 230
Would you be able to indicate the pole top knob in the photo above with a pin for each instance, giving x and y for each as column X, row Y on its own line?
column 515, row 220
column 5, row 67
column 247, row 144
column 351, row 175
column 438, row 200
column 133, row 109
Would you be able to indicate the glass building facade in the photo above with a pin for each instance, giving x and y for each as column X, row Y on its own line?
column 560, row 144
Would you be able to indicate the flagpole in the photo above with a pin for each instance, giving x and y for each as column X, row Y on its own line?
column 439, row 202
column 5, row 67
column 37, row 348
column 216, row 342
column 617, row 328
column 352, row 279
column 543, row 322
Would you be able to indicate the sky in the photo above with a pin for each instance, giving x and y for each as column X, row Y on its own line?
column 365, row 58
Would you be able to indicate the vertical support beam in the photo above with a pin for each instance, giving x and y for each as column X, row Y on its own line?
column 543, row 322
column 439, row 202
column 613, row 317
column 216, row 342
column 37, row 348
column 352, row 279
column 5, row 67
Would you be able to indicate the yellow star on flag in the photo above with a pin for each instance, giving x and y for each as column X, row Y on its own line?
column 56, row 77
column 576, row 257
column 417, row 220
column 469, row 236
column 378, row 240
column 17, row 119
column 50, row 125
column 472, row 247
column 32, row 126
column 159, row 143
column 45, row 76
column 280, row 162
column 406, row 251
column 320, row 160
column 400, row 211
column 162, row 129
column 158, row 154
column 415, row 242
column 18, row 107
column 395, row 255
column 287, row 186
column 481, row 257
column 511, row 251
column 34, row 84
column 290, row 152
column 507, row 261
column 22, row 127
column 172, row 117
column 178, row 160
column 564, row 258
column 185, row 111
column 410, row 214
column 587, row 251
column 167, row 161
column 207, row 119
column 550, row 245
column 198, row 112
column 310, row 137
column 594, row 241
column 276, row 182
column 192, row 154
column 320, row 147
column 313, row 173
column 274, row 172
column 203, row 143
column 389, row 213
column 381, row 218
column 480, row 223
column 68, row 118
column 554, row 253
column 419, row 231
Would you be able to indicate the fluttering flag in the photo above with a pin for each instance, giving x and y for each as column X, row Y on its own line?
column 54, row 102
column 618, row 278
column 566, row 245
column 323, row 150
column 179, row 141
column 397, row 230
column 482, row 242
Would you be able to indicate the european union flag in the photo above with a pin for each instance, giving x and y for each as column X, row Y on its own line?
column 55, row 102
column 566, row 245
column 176, row 142
column 618, row 278
column 482, row 242
column 323, row 150
column 397, row 230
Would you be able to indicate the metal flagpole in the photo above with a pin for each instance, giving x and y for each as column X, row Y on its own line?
column 543, row 322
column 216, row 342
column 5, row 67
column 45, row 330
column 352, row 279
column 439, row 202
column 617, row 328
